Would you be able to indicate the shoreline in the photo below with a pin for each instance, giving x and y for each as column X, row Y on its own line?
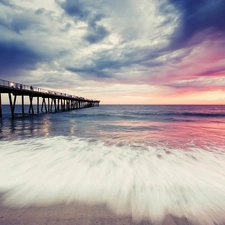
column 63, row 215
column 77, row 213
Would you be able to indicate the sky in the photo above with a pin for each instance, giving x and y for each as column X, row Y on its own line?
column 120, row 52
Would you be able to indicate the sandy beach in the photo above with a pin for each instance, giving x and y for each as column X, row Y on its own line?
column 73, row 214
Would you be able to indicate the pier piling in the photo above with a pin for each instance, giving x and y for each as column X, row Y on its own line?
column 0, row 105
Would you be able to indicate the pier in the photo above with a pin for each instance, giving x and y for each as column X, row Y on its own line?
column 47, row 101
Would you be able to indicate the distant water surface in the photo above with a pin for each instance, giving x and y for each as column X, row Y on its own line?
column 144, row 160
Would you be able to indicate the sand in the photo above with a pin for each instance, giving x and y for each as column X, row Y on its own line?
column 73, row 214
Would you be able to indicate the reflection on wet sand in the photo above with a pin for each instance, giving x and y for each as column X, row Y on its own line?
column 25, row 127
column 179, row 134
column 46, row 126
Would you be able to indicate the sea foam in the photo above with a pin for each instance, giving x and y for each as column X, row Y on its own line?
column 146, row 181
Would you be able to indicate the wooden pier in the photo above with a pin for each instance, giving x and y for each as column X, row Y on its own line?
column 50, row 101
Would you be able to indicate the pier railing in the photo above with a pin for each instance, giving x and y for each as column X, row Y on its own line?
column 14, row 85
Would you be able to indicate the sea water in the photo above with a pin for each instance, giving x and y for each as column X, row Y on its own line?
column 141, row 160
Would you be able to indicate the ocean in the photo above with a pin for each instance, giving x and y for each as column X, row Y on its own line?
column 142, row 160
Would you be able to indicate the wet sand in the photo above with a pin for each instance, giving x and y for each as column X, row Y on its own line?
column 73, row 214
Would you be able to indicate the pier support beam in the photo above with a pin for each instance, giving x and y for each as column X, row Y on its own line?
column 37, row 105
column 44, row 104
column 51, row 106
column 31, row 109
column 22, row 104
column 48, row 105
column 14, row 103
column 0, row 104
column 11, row 105
column 55, row 105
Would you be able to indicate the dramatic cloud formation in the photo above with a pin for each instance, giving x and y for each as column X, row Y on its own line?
column 167, row 51
column 198, row 18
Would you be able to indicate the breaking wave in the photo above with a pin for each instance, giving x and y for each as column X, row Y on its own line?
column 144, row 181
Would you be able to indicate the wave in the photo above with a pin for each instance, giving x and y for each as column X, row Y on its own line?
column 184, row 114
column 145, row 181
column 203, row 114
column 162, row 116
column 94, row 115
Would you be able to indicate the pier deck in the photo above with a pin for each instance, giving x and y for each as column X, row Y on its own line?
column 51, row 101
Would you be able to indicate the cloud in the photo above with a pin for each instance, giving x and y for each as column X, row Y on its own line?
column 16, row 56
column 86, row 12
column 106, row 65
column 168, row 45
column 96, row 34
column 217, row 71
column 18, row 53
column 196, row 17
column 5, row 2
column 126, row 48
column 27, row 39
column 20, row 21
column 75, row 8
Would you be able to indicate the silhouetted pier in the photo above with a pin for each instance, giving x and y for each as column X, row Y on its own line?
column 50, row 101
